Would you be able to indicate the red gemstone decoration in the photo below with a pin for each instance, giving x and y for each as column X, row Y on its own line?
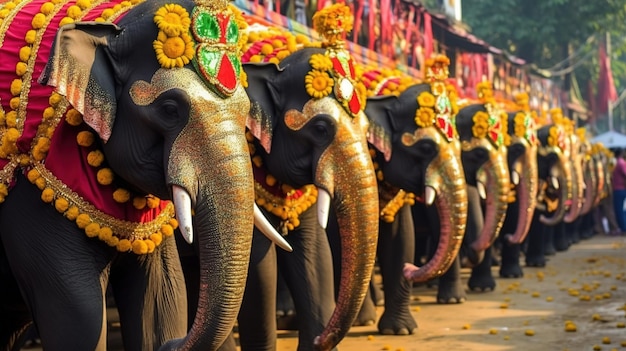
column 226, row 74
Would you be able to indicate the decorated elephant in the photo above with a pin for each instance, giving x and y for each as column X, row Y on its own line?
column 417, row 157
column 140, row 102
column 307, row 140
column 522, row 164
column 482, row 129
column 553, row 192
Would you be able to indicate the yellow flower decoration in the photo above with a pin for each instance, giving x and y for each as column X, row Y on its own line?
column 320, row 62
column 172, row 19
column 426, row 99
column 424, row 117
column 553, row 136
column 520, row 127
column 318, row 84
column 332, row 22
column 481, row 124
column 485, row 91
column 174, row 46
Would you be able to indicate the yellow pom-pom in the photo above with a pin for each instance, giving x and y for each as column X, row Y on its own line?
column 95, row 157
column 167, row 230
column 270, row 180
column 85, row 139
column 46, row 8
column 173, row 222
column 14, row 103
column 72, row 213
column 113, row 241
column 38, row 21
column 92, row 229
column 55, row 99
column 66, row 20
column 267, row 49
column 105, row 176
column 153, row 201
column 83, row 220
column 105, row 234
column 140, row 247
column 47, row 195
column 61, row 204
column 74, row 12
column 16, row 87
column 48, row 112
column 139, row 202
column 121, row 195
column 33, row 175
column 21, row 68
column 10, row 119
column 150, row 244
column 156, row 238
column 40, row 183
column 73, row 117
column 124, row 245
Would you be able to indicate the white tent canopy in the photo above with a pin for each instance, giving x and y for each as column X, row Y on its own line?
column 611, row 139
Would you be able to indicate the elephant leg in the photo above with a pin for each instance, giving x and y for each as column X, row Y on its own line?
column 286, row 317
column 308, row 272
column 574, row 230
column 451, row 289
column 16, row 318
column 509, row 265
column 367, row 313
column 62, row 273
column 535, row 242
column 548, row 237
column 396, row 245
column 151, row 297
column 481, row 278
column 257, row 317
column 561, row 237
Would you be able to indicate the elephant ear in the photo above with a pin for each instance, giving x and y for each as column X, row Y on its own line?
column 264, row 101
column 83, row 73
column 381, row 129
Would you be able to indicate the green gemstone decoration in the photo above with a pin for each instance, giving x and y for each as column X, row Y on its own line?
column 207, row 26
column 232, row 32
column 210, row 60
column 236, row 60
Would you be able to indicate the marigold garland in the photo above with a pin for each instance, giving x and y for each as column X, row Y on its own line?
column 318, row 83
column 481, row 124
column 173, row 46
column 553, row 136
column 426, row 99
column 333, row 22
column 424, row 117
column 520, row 124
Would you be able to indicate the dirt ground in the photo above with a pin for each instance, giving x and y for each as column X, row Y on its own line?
column 585, row 285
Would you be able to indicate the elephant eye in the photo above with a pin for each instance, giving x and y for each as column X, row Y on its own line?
column 170, row 108
column 427, row 148
column 322, row 128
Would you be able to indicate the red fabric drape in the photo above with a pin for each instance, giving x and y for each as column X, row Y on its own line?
column 428, row 35
column 606, row 86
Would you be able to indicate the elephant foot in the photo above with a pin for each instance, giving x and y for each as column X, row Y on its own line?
column 400, row 323
column 549, row 250
column 451, row 294
column 511, row 271
column 535, row 261
column 481, row 282
column 287, row 322
column 367, row 314
column 561, row 245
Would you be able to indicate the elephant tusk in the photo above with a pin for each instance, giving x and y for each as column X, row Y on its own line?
column 429, row 195
column 554, row 182
column 262, row 224
column 182, row 203
column 515, row 177
column 323, row 207
column 482, row 192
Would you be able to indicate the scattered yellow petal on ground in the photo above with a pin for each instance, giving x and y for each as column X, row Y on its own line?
column 606, row 340
column 529, row 332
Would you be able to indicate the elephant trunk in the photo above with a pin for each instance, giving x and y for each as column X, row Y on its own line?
column 348, row 173
column 211, row 162
column 498, row 183
column 564, row 178
column 526, row 195
column 577, row 190
column 590, row 180
column 445, row 175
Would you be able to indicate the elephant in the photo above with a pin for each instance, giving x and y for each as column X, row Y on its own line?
column 482, row 127
column 307, row 140
column 416, row 154
column 553, row 192
column 132, row 129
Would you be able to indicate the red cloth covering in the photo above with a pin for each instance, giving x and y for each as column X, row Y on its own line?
column 66, row 159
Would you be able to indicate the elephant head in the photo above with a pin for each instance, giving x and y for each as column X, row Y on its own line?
column 522, row 161
column 575, row 159
column 308, row 127
column 163, row 92
column 482, row 130
column 417, row 151
column 553, row 170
